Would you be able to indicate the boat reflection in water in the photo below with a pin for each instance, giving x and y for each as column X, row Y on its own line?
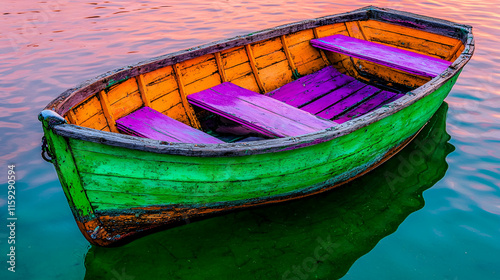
column 316, row 237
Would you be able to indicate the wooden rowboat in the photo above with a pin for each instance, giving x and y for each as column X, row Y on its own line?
column 267, row 117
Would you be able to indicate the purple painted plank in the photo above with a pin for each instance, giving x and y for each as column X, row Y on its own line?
column 348, row 102
column 272, row 105
column 249, row 115
column 399, row 95
column 132, row 126
column 333, row 97
column 367, row 106
column 149, row 123
column 128, row 131
column 407, row 61
column 310, row 87
column 256, row 111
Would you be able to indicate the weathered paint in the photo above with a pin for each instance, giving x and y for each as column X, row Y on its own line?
column 133, row 190
column 436, row 45
column 258, row 112
column 126, row 186
column 404, row 60
column 152, row 124
column 275, row 62
column 358, row 214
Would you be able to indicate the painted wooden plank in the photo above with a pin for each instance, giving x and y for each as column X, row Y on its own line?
column 197, row 72
column 323, row 56
column 247, row 81
column 263, row 114
column 276, row 75
column 410, row 43
column 160, row 82
column 255, row 71
column 87, row 109
column 195, row 62
column 103, row 97
column 251, row 116
column 273, row 105
column 149, row 123
column 454, row 51
column 143, row 90
column 333, row 97
column 367, row 106
column 126, row 105
column 269, row 59
column 332, row 29
column 71, row 117
column 202, row 84
column 303, row 53
column 355, row 30
column 198, row 174
column 394, row 98
column 352, row 100
column 220, row 66
column 69, row 176
column 97, row 121
column 166, row 102
column 177, row 112
column 265, row 47
column 385, row 55
column 391, row 75
column 458, row 53
column 311, row 66
column 375, row 28
column 299, row 37
column 233, row 57
column 122, row 90
column 287, row 52
column 239, row 71
column 189, row 111
column 310, row 87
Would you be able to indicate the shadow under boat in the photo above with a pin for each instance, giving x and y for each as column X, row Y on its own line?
column 316, row 237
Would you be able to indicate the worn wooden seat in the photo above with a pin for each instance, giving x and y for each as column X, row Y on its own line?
column 331, row 95
column 396, row 58
column 257, row 112
column 152, row 124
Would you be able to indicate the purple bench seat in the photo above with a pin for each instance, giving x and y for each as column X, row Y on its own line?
column 400, row 59
column 148, row 123
column 257, row 112
column 331, row 95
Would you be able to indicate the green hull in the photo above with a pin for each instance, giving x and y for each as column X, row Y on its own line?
column 115, row 192
column 318, row 238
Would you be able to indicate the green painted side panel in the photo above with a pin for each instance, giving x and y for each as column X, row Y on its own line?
column 327, row 233
column 118, row 178
column 68, row 175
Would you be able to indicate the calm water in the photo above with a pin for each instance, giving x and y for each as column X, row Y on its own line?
column 440, row 220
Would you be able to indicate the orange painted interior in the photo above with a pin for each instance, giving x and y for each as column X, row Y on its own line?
column 260, row 67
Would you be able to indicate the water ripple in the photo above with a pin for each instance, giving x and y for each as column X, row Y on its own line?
column 49, row 46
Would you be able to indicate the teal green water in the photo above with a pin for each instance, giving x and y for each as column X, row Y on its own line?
column 431, row 212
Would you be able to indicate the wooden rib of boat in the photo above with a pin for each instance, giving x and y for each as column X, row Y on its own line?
column 267, row 117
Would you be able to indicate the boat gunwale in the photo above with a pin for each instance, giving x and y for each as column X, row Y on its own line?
column 62, row 103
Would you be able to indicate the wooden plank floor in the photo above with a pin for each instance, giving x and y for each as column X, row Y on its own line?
column 333, row 96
